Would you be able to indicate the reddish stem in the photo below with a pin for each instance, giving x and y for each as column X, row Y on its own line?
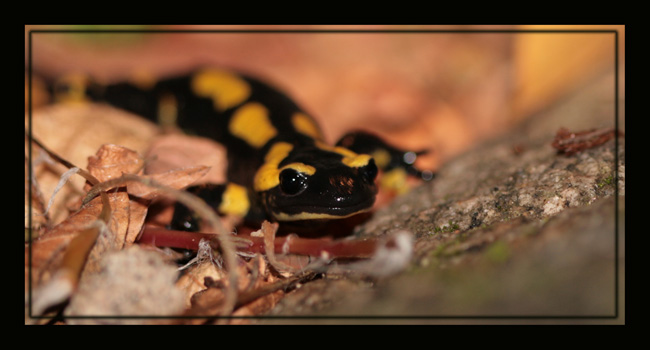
column 292, row 244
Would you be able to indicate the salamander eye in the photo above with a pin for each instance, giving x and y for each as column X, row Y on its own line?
column 369, row 171
column 292, row 182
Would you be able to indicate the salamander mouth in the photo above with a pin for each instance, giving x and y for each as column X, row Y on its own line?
column 323, row 212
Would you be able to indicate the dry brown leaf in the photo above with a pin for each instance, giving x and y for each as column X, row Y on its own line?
column 35, row 207
column 112, row 161
column 109, row 162
column 74, row 132
column 193, row 281
column 57, row 262
column 177, row 178
column 47, row 249
column 259, row 277
column 568, row 143
column 127, row 216
column 259, row 289
column 178, row 151
column 207, row 266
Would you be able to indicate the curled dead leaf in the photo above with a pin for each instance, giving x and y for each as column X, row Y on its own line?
column 112, row 161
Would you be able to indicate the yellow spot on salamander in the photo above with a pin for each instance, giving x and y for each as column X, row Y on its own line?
column 350, row 158
column 305, row 125
column 268, row 175
column 72, row 88
column 300, row 167
column 382, row 158
column 226, row 89
column 167, row 110
column 395, row 180
column 357, row 161
column 251, row 123
column 234, row 201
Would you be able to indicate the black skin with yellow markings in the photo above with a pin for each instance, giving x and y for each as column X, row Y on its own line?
column 363, row 142
column 289, row 175
column 334, row 189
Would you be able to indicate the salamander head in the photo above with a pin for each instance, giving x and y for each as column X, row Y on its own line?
column 318, row 182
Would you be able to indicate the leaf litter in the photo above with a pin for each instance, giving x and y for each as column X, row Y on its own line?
column 239, row 275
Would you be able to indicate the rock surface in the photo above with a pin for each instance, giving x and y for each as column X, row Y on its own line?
column 510, row 230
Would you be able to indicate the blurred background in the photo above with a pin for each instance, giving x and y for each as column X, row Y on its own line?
column 441, row 88
column 442, row 91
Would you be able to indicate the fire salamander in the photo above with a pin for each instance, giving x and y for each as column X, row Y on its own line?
column 279, row 167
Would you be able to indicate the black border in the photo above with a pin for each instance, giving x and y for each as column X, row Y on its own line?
column 354, row 31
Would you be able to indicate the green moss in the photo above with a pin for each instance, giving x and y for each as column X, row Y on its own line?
column 450, row 227
column 606, row 181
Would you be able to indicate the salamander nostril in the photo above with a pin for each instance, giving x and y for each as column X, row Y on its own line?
column 342, row 185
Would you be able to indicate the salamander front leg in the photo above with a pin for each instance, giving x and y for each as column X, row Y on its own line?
column 226, row 199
